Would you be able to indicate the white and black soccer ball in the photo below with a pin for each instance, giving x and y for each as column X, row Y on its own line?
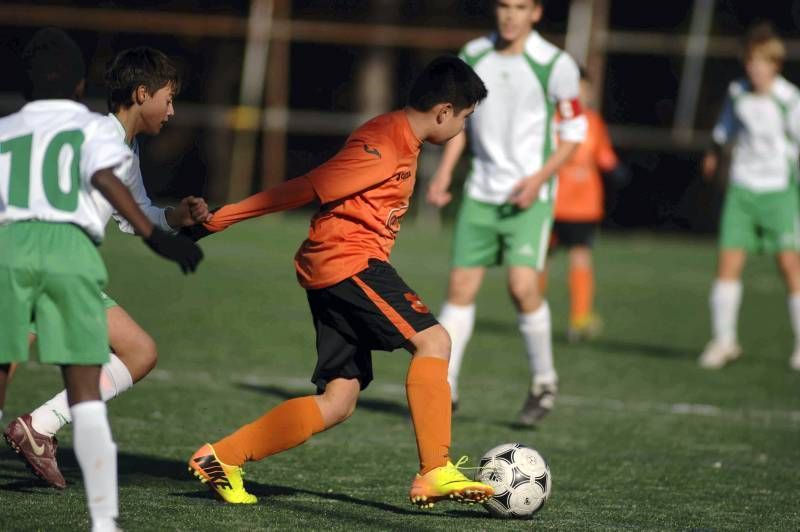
column 520, row 478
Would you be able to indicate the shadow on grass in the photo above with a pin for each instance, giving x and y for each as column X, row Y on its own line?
column 364, row 403
column 601, row 344
column 627, row 347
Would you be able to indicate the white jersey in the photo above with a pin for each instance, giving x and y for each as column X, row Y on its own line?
column 133, row 180
column 765, row 131
column 513, row 131
column 49, row 151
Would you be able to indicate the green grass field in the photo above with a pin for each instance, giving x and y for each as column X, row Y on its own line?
column 640, row 437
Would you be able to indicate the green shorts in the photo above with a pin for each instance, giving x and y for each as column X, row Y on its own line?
column 490, row 235
column 52, row 275
column 108, row 302
column 766, row 222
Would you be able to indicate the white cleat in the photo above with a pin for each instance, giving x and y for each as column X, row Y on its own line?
column 716, row 355
column 794, row 362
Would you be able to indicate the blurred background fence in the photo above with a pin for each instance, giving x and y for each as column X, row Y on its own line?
column 272, row 87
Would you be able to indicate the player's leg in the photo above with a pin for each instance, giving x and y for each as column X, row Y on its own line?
column 94, row 447
column 458, row 318
column 73, row 333
column 583, row 322
column 737, row 237
column 725, row 300
column 343, row 369
column 428, row 396
column 789, row 263
column 475, row 246
column 133, row 356
column 780, row 220
column 527, row 235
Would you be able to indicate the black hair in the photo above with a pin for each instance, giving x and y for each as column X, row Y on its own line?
column 446, row 79
column 53, row 65
column 135, row 67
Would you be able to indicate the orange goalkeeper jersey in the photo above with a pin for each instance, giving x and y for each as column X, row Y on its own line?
column 580, row 186
column 365, row 191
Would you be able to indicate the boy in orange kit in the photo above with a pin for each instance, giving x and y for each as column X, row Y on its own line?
column 358, row 301
column 579, row 209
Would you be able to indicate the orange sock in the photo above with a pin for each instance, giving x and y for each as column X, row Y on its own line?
column 429, row 401
column 581, row 291
column 287, row 425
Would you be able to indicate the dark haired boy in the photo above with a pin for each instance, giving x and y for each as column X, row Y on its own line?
column 141, row 84
column 358, row 301
column 60, row 170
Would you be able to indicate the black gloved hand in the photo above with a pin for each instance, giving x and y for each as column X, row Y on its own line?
column 195, row 232
column 176, row 248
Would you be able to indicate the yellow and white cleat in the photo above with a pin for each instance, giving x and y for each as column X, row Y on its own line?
column 223, row 479
column 447, row 483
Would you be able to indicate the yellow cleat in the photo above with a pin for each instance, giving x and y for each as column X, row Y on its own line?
column 587, row 327
column 223, row 479
column 447, row 483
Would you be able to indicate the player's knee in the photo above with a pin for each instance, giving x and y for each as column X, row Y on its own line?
column 521, row 290
column 436, row 342
column 140, row 355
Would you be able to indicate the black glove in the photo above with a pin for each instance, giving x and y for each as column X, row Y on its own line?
column 195, row 232
column 176, row 248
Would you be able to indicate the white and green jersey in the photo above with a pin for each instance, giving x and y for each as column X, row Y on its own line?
column 49, row 151
column 133, row 180
column 513, row 131
column 765, row 131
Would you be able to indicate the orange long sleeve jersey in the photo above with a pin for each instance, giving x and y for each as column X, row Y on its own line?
column 364, row 190
column 580, row 185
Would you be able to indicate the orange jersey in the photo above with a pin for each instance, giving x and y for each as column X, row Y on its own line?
column 365, row 190
column 580, row 186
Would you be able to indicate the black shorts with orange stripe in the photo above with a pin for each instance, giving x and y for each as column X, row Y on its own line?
column 372, row 310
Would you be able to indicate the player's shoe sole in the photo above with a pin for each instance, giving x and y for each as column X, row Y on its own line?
column 447, row 483
column 36, row 450
column 224, row 481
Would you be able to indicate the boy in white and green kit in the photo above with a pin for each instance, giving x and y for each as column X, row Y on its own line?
column 507, row 212
column 59, row 168
column 761, row 119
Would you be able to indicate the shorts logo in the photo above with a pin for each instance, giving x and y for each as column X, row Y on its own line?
column 526, row 250
column 416, row 303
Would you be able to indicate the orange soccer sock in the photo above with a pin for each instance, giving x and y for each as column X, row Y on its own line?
column 287, row 425
column 581, row 291
column 429, row 401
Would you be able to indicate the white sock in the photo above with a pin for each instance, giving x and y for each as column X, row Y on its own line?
column 97, row 456
column 726, row 296
column 1, row 414
column 54, row 414
column 535, row 329
column 794, row 317
column 459, row 322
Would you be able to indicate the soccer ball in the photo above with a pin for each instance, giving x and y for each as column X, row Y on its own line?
column 520, row 478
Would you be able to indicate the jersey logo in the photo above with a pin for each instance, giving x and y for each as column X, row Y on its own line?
column 416, row 303
column 372, row 151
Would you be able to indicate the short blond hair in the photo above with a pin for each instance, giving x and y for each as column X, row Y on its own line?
column 764, row 42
